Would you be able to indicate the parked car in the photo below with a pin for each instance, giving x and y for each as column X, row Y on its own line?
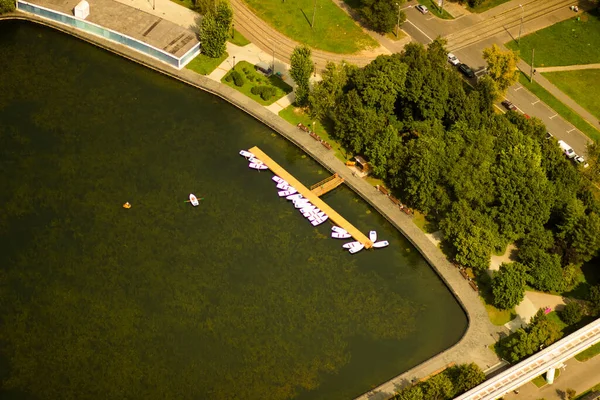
column 452, row 59
column 566, row 149
column 422, row 9
column 509, row 105
column 466, row 70
column 581, row 161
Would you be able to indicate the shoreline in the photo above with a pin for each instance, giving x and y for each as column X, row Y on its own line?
column 479, row 334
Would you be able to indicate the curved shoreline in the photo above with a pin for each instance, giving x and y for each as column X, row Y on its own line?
column 479, row 334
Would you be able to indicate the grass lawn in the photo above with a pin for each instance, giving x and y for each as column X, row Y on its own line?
column 568, row 42
column 392, row 35
column 333, row 31
column 560, row 108
column 577, row 84
column 295, row 115
column 204, row 65
column 435, row 10
column 497, row 316
column 541, row 380
column 486, row 5
column 238, row 39
column 597, row 387
column 185, row 3
column 259, row 79
column 421, row 221
column 589, row 353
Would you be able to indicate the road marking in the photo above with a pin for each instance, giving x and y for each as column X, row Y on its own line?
column 417, row 28
column 553, row 116
column 519, row 88
column 535, row 102
column 571, row 130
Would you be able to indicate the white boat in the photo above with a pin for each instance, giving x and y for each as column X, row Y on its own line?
column 257, row 166
column 301, row 204
column 314, row 211
column 194, row 200
column 318, row 221
column 338, row 235
column 284, row 193
column 246, row 154
column 351, row 244
column 338, row 229
column 356, row 249
column 307, row 208
column 379, row 245
column 313, row 216
column 373, row 236
column 255, row 160
column 283, row 186
column 277, row 179
column 296, row 196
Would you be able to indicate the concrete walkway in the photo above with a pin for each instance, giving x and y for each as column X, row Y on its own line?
column 576, row 375
column 556, row 92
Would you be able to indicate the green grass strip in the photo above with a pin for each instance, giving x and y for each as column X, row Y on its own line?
column 558, row 106
column 589, row 353
column 576, row 85
column 238, row 39
column 435, row 9
column 486, row 5
column 204, row 65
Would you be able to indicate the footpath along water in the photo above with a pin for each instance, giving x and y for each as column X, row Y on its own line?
column 236, row 298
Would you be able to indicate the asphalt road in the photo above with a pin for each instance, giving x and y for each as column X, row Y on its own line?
column 423, row 28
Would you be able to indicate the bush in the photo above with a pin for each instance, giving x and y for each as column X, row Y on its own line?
column 238, row 79
column 7, row 6
column 265, row 92
column 228, row 78
column 474, row 3
column 571, row 314
column 594, row 298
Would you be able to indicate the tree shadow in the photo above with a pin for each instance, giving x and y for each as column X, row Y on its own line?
column 306, row 18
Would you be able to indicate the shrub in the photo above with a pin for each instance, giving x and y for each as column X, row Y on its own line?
column 571, row 314
column 238, row 79
column 228, row 78
column 7, row 6
column 267, row 93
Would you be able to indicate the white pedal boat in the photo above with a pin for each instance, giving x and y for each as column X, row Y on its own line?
column 283, row 186
column 194, row 200
column 293, row 197
column 246, row 154
column 338, row 229
column 318, row 221
column 277, row 179
column 258, row 166
column 356, row 249
column 308, row 208
column 302, row 204
column 314, row 211
column 373, row 236
column 255, row 160
column 381, row 244
column 312, row 216
column 284, row 193
column 349, row 245
column 339, row 235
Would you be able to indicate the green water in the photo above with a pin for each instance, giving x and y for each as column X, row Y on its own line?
column 239, row 298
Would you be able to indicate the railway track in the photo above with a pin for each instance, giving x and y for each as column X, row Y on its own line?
column 504, row 22
column 272, row 42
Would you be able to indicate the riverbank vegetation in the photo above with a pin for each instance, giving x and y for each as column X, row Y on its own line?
column 485, row 179
column 446, row 385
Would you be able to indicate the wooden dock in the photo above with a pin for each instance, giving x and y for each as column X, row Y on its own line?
column 312, row 197
column 327, row 185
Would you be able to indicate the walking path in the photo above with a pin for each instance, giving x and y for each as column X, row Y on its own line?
column 556, row 92
column 567, row 68
column 576, row 375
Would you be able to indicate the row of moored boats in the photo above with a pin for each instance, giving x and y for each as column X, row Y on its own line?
column 311, row 212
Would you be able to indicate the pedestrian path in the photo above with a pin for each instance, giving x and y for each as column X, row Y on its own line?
column 556, row 92
column 568, row 68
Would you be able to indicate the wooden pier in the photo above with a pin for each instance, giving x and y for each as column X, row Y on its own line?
column 312, row 197
column 327, row 185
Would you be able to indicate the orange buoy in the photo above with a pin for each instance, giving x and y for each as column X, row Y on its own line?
column 127, row 205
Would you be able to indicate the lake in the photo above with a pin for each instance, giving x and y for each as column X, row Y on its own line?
column 239, row 298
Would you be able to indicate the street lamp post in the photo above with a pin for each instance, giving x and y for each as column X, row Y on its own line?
column 312, row 25
column 315, row 69
column 233, row 62
column 232, row 30
column 521, row 26
column 398, row 23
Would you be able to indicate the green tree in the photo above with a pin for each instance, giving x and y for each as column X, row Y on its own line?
column 501, row 67
column 508, row 285
column 466, row 377
column 204, row 6
column 594, row 298
column 586, row 238
column 381, row 15
column 410, row 393
column 329, row 91
column 214, row 30
column 7, row 6
column 541, row 332
column 300, row 70
column 545, row 272
column 438, row 387
column 572, row 313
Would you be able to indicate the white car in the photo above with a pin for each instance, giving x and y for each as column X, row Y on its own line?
column 422, row 9
column 566, row 149
column 581, row 161
column 452, row 59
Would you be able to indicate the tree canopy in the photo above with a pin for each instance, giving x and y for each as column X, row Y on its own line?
column 501, row 67
column 301, row 68
column 214, row 30
column 508, row 285
column 7, row 6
